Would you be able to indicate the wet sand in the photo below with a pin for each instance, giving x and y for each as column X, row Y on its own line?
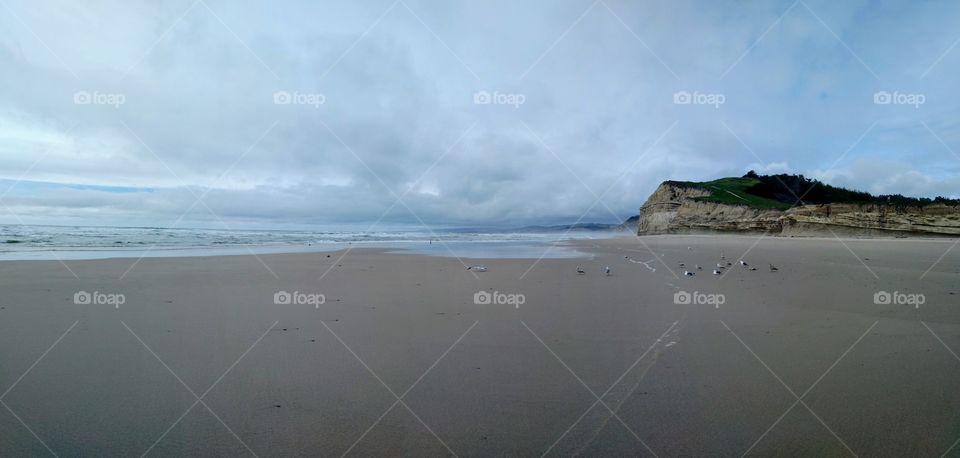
column 489, row 379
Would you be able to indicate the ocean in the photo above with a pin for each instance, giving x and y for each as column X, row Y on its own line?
column 40, row 242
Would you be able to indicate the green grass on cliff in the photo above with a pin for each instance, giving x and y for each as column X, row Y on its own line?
column 733, row 191
column 782, row 192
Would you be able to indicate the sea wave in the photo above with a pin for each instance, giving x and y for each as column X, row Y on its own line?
column 86, row 242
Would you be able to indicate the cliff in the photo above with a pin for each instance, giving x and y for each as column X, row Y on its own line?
column 683, row 207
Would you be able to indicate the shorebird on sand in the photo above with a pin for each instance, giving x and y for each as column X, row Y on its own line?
column 716, row 272
column 606, row 270
column 580, row 270
column 773, row 268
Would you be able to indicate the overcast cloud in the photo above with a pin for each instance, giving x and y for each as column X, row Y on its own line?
column 183, row 128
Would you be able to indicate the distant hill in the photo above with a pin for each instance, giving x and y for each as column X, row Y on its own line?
column 629, row 224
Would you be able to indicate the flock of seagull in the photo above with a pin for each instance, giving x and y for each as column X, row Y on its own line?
column 722, row 266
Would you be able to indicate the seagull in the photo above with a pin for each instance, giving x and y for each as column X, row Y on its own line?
column 773, row 268
column 743, row 263
column 477, row 268
column 720, row 265
column 681, row 264
column 716, row 272
column 688, row 273
column 698, row 267
column 580, row 270
column 606, row 270
column 753, row 268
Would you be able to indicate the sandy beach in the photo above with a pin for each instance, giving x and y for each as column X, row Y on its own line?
column 199, row 360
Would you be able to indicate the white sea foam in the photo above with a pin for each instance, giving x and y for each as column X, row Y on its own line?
column 79, row 242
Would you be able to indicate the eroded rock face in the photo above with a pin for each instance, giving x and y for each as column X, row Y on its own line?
column 661, row 208
column 873, row 219
column 672, row 209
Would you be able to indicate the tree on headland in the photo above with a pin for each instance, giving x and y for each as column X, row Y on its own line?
column 787, row 188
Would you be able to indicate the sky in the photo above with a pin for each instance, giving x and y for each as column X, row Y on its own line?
column 237, row 114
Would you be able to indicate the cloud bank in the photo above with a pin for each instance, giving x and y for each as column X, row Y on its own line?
column 213, row 113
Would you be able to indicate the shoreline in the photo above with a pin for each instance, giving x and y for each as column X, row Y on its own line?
column 560, row 248
column 414, row 247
